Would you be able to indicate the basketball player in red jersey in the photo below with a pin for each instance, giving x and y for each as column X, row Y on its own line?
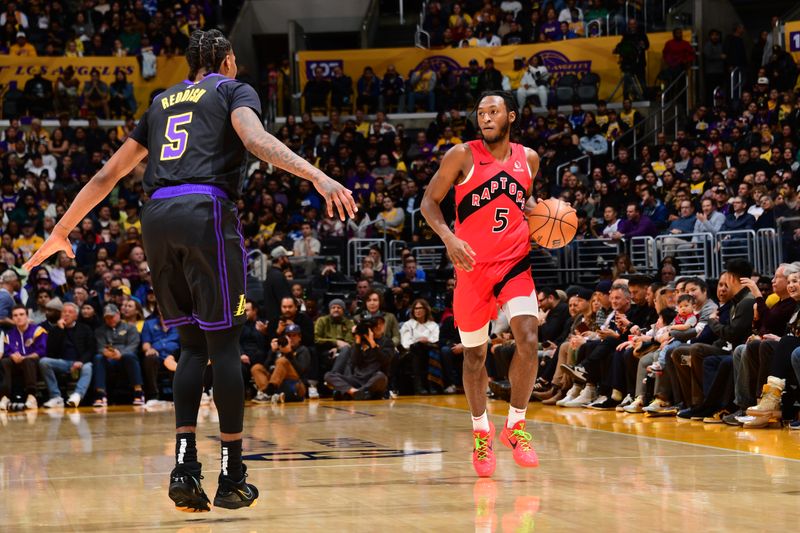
column 490, row 250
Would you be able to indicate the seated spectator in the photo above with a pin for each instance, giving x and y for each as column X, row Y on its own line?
column 391, row 219
column 118, row 345
column 739, row 219
column 422, row 85
column 307, row 245
column 70, row 349
column 534, row 83
column 709, row 220
column 418, row 336
column 593, row 143
column 332, row 333
column 362, row 373
column 636, row 224
column 96, row 95
column 373, row 304
column 289, row 363
column 341, row 90
column 316, row 92
column 369, row 91
column 392, row 91
column 25, row 344
column 121, row 98
column 161, row 347
column 410, row 272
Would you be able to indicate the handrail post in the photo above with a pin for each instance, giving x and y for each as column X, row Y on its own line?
column 402, row 19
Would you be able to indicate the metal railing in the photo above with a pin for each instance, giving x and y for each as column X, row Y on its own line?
column 358, row 249
column 729, row 245
column 736, row 84
column 429, row 257
column 418, row 38
column 695, row 255
column 642, row 251
column 673, row 102
column 547, row 266
column 587, row 257
column 601, row 30
column 767, row 250
column 786, row 229
column 370, row 23
column 257, row 264
column 393, row 260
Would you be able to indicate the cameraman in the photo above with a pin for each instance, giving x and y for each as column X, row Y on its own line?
column 534, row 82
column 291, row 361
column 290, row 314
column 632, row 50
column 364, row 375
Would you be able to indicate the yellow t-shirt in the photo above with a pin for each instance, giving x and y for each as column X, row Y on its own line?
column 28, row 247
column 26, row 50
column 515, row 77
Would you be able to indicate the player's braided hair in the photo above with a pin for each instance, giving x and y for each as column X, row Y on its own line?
column 206, row 51
column 508, row 98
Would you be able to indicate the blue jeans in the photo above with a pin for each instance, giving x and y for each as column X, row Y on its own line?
column 129, row 361
column 413, row 97
column 50, row 366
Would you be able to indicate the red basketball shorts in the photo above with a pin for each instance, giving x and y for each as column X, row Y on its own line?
column 490, row 286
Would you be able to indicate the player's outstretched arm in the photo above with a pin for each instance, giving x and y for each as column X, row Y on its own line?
column 266, row 147
column 120, row 165
column 460, row 252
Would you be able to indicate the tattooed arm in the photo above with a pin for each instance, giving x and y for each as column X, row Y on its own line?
column 267, row 148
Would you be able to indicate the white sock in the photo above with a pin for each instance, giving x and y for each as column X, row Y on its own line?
column 514, row 416
column 480, row 423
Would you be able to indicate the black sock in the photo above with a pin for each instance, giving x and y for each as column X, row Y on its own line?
column 231, row 460
column 186, row 451
column 271, row 389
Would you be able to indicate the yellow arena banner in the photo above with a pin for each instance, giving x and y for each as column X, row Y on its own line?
column 792, row 31
column 576, row 56
column 18, row 70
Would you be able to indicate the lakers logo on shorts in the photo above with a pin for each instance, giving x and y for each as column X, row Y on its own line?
column 240, row 306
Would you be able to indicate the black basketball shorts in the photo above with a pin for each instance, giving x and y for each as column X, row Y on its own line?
column 196, row 255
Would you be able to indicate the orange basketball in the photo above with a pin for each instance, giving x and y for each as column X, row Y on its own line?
column 552, row 223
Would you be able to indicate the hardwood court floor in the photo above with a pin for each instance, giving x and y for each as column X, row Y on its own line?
column 400, row 466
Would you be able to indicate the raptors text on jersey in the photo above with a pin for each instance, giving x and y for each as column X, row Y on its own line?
column 490, row 205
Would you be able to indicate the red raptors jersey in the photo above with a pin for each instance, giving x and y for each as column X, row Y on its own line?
column 490, row 205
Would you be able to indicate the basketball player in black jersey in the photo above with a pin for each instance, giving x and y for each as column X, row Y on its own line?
column 196, row 135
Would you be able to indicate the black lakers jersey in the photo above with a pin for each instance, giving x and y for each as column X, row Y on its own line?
column 188, row 132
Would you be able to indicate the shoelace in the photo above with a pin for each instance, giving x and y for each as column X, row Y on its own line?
column 523, row 438
column 482, row 447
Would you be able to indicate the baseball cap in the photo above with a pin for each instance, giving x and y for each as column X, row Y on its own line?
column 55, row 304
column 292, row 328
column 473, row 61
column 580, row 292
column 761, row 81
column 110, row 310
column 280, row 251
column 20, row 34
column 603, row 286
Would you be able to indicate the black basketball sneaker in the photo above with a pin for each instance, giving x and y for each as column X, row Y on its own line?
column 187, row 493
column 232, row 494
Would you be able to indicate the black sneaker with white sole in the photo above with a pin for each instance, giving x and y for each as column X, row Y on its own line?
column 232, row 494
column 578, row 373
column 187, row 493
column 606, row 405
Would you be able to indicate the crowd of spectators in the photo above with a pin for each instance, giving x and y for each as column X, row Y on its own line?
column 144, row 29
column 317, row 325
column 494, row 22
